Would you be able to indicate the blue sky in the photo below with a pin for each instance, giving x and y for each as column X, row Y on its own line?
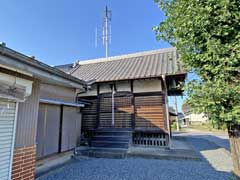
column 59, row 31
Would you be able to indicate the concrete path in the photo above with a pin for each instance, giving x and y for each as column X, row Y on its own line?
column 219, row 138
column 214, row 148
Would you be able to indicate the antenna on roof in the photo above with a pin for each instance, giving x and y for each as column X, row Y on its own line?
column 106, row 27
column 106, row 30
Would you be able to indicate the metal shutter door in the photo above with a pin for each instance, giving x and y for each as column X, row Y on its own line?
column 7, row 123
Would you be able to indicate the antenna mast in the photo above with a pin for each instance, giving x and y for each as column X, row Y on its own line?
column 106, row 29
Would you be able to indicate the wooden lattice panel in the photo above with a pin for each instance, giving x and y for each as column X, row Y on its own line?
column 150, row 139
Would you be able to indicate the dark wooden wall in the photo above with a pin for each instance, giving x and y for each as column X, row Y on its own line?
column 149, row 112
column 89, row 114
column 123, row 112
column 142, row 111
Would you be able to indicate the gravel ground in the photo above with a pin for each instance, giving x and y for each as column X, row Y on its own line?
column 146, row 169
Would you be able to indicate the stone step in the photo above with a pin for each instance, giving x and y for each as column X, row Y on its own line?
column 115, row 129
column 110, row 144
column 113, row 133
column 115, row 153
column 111, row 138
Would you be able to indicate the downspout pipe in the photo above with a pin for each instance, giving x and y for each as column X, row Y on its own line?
column 113, row 103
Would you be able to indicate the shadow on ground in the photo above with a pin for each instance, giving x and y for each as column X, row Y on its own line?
column 213, row 150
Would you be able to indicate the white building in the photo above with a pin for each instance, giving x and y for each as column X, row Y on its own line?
column 192, row 118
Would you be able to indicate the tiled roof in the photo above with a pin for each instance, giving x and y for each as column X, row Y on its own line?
column 131, row 66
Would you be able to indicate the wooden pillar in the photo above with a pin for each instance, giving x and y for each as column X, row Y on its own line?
column 176, row 109
column 167, row 110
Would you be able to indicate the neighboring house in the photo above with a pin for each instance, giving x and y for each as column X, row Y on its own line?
column 130, row 92
column 182, row 120
column 59, row 120
column 172, row 117
column 172, row 114
column 196, row 119
column 192, row 118
column 24, row 82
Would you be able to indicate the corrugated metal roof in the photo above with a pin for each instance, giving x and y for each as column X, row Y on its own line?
column 131, row 66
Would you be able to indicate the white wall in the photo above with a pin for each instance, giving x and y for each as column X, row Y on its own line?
column 124, row 86
column 105, row 88
column 139, row 86
column 152, row 85
column 92, row 92
column 196, row 118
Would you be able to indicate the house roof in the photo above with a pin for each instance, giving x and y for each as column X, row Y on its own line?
column 181, row 115
column 46, row 73
column 141, row 65
column 172, row 111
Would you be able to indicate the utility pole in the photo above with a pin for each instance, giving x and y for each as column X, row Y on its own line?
column 176, row 109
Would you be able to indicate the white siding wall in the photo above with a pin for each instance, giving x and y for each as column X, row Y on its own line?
column 196, row 118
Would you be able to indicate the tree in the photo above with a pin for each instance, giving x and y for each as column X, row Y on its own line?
column 206, row 34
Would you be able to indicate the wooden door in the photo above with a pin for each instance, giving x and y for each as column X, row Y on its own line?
column 71, row 128
column 48, row 130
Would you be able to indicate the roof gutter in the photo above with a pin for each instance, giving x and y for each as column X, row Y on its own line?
column 58, row 102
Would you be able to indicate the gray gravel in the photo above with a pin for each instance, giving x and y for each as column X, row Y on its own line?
column 143, row 169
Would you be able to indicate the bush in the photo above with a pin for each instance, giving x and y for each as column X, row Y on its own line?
column 174, row 126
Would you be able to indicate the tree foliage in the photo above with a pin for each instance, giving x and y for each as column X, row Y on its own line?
column 207, row 36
